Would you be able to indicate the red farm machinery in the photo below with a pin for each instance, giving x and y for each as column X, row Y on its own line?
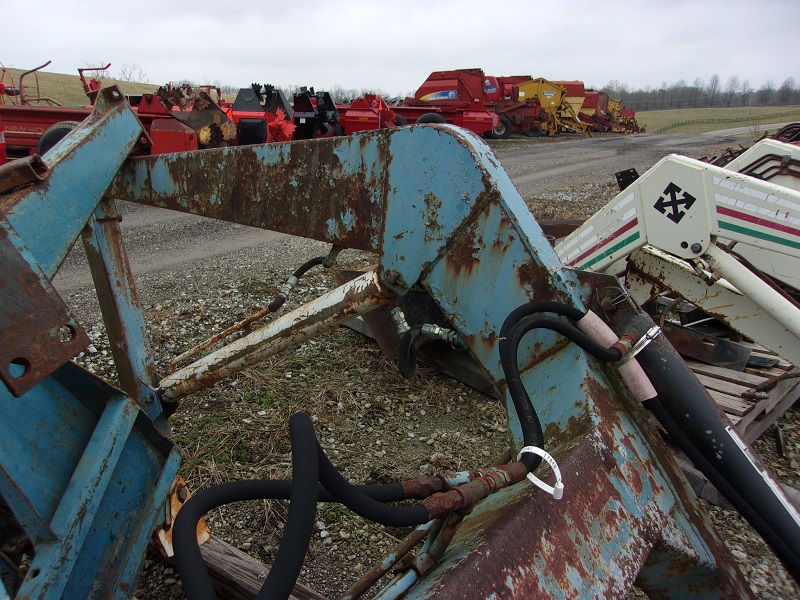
column 526, row 105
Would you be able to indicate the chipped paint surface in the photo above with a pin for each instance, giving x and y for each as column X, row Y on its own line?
column 435, row 205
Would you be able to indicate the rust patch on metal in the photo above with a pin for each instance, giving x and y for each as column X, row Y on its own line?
column 300, row 188
column 37, row 328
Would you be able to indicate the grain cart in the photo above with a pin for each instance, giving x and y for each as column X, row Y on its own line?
column 86, row 466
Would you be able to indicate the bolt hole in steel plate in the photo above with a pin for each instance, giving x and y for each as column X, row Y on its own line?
column 36, row 328
column 19, row 367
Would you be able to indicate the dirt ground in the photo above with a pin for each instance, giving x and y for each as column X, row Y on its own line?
column 196, row 277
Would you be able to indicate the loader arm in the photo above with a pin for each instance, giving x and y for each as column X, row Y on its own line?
column 693, row 211
column 434, row 205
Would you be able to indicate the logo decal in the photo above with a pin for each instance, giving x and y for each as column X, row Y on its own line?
column 674, row 199
column 443, row 95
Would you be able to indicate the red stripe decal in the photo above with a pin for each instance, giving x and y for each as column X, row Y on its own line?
column 723, row 210
column 605, row 241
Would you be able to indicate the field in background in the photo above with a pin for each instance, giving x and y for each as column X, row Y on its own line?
column 701, row 120
column 67, row 90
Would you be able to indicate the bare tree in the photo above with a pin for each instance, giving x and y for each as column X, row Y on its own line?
column 132, row 72
column 787, row 91
column 698, row 91
column 766, row 93
column 98, row 72
column 745, row 92
column 731, row 87
column 713, row 88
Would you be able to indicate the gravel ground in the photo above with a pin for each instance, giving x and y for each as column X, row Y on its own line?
column 196, row 277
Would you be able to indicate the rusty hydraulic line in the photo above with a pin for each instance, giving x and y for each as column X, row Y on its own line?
column 220, row 336
column 352, row 299
column 368, row 579
column 462, row 498
column 274, row 306
column 427, row 558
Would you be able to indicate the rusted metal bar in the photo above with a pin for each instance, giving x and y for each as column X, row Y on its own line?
column 277, row 180
column 121, row 307
column 218, row 337
column 322, row 314
column 23, row 171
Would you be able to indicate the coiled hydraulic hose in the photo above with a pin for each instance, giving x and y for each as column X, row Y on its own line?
column 311, row 467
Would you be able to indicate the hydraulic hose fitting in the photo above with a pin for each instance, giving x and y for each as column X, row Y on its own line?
column 435, row 332
column 399, row 319
column 288, row 286
column 330, row 259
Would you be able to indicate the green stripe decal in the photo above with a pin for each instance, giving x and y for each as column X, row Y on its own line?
column 759, row 234
column 611, row 250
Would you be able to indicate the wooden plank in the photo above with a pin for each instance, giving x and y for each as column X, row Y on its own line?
column 239, row 576
column 720, row 385
column 751, row 431
column 730, row 404
column 724, row 374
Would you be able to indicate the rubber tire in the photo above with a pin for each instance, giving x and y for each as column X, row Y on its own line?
column 400, row 120
column 534, row 132
column 503, row 129
column 431, row 118
column 54, row 134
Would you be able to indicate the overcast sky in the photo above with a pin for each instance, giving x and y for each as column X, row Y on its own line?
column 393, row 46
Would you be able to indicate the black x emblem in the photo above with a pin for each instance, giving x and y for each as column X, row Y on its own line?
column 674, row 203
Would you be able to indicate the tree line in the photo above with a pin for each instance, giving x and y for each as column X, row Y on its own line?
column 702, row 94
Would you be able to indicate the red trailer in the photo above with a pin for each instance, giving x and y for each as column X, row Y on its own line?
column 367, row 113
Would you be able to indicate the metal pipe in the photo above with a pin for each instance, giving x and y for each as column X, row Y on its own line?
column 380, row 569
column 750, row 285
column 352, row 299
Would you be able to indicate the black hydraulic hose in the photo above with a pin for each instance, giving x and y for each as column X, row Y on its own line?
column 509, row 347
column 187, row 552
column 723, row 486
column 314, row 480
column 278, row 301
column 359, row 502
column 305, row 267
column 569, row 331
column 539, row 306
column 407, row 356
column 302, row 510
column 297, row 535
column 687, row 402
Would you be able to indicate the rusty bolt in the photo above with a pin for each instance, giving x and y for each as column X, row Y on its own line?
column 182, row 493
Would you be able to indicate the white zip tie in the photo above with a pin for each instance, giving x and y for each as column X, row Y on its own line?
column 556, row 492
